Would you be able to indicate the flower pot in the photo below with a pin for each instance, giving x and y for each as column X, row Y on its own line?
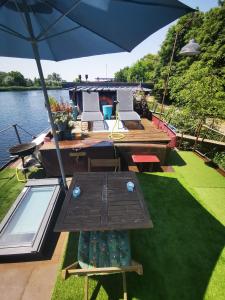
column 62, row 126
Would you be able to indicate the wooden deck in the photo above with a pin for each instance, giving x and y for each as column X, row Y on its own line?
column 148, row 134
column 75, row 153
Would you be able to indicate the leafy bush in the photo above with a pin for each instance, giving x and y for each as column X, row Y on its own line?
column 219, row 159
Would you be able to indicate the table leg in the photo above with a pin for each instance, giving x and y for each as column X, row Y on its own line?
column 150, row 168
column 124, row 286
column 86, row 287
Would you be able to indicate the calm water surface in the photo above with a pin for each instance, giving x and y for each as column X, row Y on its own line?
column 26, row 109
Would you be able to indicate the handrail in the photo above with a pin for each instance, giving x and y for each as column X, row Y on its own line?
column 15, row 127
column 219, row 132
column 33, row 136
column 5, row 129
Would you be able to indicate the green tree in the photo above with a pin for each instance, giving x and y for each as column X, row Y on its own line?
column 2, row 76
column 8, row 80
column 37, row 81
column 200, row 91
column 143, row 70
column 18, row 78
column 122, row 75
column 54, row 79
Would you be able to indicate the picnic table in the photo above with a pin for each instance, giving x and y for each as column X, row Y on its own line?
column 104, row 204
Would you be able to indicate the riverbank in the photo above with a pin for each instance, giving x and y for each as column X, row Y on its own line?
column 26, row 88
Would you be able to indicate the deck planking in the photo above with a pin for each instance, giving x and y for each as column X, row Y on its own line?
column 149, row 134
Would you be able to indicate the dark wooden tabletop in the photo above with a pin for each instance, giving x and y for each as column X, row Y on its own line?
column 104, row 204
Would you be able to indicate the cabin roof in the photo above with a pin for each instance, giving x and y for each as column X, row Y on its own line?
column 109, row 86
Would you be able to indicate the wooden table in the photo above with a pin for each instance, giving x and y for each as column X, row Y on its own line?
column 104, row 204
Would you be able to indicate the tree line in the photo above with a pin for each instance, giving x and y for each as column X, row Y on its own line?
column 16, row 79
column 197, row 83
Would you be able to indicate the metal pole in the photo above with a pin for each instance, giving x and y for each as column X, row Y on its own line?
column 168, row 77
column 47, row 104
column 17, row 133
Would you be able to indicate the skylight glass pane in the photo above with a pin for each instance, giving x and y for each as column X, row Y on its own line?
column 25, row 222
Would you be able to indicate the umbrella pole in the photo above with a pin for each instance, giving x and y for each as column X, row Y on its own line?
column 47, row 104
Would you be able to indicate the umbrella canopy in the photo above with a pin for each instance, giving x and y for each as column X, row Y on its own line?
column 58, row 30
column 74, row 28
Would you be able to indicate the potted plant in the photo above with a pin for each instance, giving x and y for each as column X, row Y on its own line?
column 61, row 119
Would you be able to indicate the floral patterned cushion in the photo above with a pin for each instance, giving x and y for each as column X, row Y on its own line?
column 104, row 249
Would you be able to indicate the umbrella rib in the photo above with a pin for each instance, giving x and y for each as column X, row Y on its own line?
column 151, row 4
column 86, row 27
column 57, row 34
column 3, row 2
column 20, row 13
column 44, row 32
column 47, row 41
column 12, row 32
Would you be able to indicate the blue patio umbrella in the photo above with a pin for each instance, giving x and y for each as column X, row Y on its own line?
column 58, row 30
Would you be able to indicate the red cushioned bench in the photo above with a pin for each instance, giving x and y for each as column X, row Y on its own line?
column 144, row 159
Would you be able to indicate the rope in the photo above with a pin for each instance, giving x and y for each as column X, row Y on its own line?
column 17, row 177
column 116, row 135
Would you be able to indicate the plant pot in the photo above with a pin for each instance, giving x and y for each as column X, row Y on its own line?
column 67, row 135
column 62, row 126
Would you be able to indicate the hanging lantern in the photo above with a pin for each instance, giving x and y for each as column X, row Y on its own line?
column 192, row 48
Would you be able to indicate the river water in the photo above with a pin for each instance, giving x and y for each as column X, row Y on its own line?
column 26, row 109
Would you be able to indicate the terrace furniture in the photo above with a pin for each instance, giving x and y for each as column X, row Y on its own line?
column 91, row 108
column 143, row 159
column 126, row 106
column 23, row 150
column 104, row 204
column 103, row 253
column 104, row 163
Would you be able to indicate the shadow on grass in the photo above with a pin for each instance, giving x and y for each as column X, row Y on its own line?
column 37, row 173
column 175, row 159
column 178, row 255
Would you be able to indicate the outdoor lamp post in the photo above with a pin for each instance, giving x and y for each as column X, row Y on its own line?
column 190, row 49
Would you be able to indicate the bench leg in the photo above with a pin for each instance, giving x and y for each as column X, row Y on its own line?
column 86, row 287
column 124, row 286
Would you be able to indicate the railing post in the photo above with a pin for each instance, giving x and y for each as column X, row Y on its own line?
column 17, row 133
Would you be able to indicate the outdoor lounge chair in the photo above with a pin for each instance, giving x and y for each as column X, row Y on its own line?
column 103, row 253
column 91, row 108
column 126, row 106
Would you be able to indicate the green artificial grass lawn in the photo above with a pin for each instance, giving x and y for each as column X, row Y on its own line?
column 10, row 187
column 183, row 256
column 9, row 190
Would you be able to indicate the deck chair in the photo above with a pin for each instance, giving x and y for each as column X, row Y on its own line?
column 104, row 163
column 126, row 106
column 103, row 253
column 91, row 108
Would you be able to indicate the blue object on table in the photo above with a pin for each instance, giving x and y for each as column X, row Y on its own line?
column 130, row 186
column 107, row 111
column 76, row 192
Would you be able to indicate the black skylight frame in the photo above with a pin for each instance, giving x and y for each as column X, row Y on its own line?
column 39, row 238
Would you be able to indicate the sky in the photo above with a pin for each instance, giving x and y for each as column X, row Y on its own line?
column 101, row 65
